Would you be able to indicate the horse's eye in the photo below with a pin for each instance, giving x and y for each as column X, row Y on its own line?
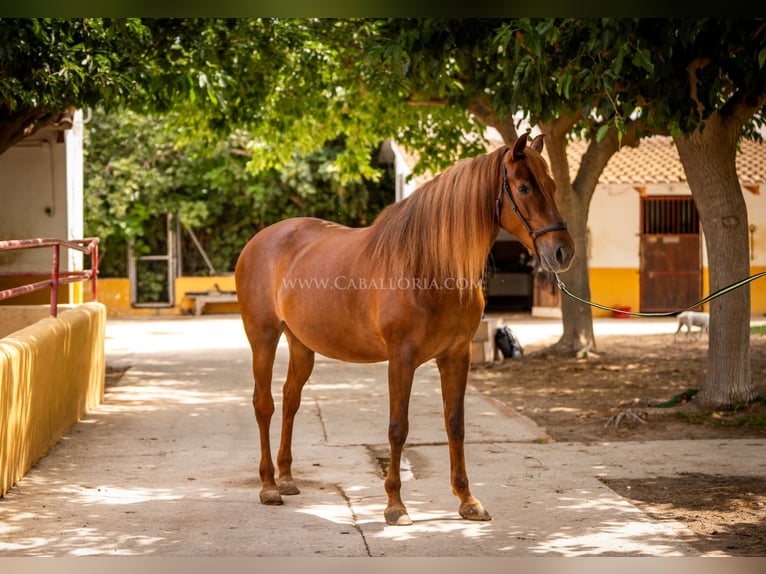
column 524, row 189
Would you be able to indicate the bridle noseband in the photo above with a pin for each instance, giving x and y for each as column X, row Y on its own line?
column 534, row 234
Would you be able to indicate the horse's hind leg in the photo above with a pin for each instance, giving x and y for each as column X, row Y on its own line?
column 454, row 380
column 298, row 372
column 263, row 342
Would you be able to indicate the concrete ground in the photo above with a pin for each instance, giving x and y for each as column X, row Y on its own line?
column 167, row 465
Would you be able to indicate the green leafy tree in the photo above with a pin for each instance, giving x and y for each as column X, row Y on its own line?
column 294, row 85
column 701, row 80
column 136, row 173
column 708, row 87
column 549, row 72
column 48, row 66
column 614, row 81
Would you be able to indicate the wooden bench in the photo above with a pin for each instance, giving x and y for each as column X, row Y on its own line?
column 202, row 298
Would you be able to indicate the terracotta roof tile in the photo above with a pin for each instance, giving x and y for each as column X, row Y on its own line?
column 656, row 161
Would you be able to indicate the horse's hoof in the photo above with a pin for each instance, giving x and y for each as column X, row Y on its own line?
column 271, row 497
column 288, row 487
column 474, row 511
column 397, row 517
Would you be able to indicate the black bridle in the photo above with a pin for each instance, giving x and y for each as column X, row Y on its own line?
column 534, row 234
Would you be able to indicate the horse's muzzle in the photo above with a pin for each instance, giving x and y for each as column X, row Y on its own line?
column 556, row 251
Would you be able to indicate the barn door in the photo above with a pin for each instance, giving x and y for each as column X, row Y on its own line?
column 671, row 254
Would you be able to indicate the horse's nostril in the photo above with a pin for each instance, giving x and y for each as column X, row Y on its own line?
column 563, row 256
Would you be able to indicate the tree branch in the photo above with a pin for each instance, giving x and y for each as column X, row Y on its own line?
column 241, row 152
column 740, row 108
column 427, row 102
column 598, row 154
column 17, row 126
column 555, row 142
column 486, row 115
column 692, row 69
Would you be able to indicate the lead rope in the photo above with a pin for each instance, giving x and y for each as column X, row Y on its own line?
column 707, row 299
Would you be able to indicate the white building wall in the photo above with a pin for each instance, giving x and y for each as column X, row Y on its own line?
column 613, row 226
column 405, row 185
column 756, row 213
column 614, row 220
column 41, row 195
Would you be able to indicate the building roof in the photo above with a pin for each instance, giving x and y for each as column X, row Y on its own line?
column 656, row 161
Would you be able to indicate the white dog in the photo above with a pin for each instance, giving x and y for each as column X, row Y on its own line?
column 691, row 319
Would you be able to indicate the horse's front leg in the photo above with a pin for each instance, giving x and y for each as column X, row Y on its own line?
column 400, row 376
column 454, row 379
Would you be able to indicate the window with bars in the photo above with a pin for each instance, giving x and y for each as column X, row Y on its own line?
column 669, row 216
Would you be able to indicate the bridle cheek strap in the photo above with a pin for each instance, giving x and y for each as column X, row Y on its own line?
column 534, row 234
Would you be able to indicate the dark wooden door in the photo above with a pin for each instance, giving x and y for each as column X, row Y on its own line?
column 671, row 254
column 670, row 272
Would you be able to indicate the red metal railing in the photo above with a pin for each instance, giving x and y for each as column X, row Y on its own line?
column 89, row 246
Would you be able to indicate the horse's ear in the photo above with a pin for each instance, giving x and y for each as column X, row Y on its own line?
column 518, row 147
column 537, row 144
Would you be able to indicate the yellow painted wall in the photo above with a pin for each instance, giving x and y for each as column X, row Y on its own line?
column 621, row 287
column 613, row 287
column 51, row 373
column 757, row 292
column 616, row 288
column 115, row 294
column 71, row 293
column 39, row 297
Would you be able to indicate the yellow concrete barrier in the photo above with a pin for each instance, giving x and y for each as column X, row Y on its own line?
column 51, row 373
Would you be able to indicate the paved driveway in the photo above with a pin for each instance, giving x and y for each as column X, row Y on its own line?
column 167, row 466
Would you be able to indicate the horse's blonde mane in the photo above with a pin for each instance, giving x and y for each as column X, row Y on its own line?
column 445, row 229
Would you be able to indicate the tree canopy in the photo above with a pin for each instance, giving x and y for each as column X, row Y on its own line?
column 49, row 66
column 136, row 173
column 289, row 87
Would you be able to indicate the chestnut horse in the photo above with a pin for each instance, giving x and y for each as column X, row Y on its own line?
column 405, row 290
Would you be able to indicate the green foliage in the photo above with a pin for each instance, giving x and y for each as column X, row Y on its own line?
column 297, row 83
column 136, row 173
column 241, row 104
column 53, row 63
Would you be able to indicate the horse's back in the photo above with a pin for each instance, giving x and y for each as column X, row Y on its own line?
column 271, row 251
column 286, row 235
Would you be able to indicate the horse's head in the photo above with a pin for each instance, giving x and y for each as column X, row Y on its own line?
column 527, row 208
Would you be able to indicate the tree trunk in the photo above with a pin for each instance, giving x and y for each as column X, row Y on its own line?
column 486, row 115
column 577, row 319
column 708, row 158
column 574, row 199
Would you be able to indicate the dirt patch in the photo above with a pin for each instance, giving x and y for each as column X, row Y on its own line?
column 575, row 400
column 724, row 513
